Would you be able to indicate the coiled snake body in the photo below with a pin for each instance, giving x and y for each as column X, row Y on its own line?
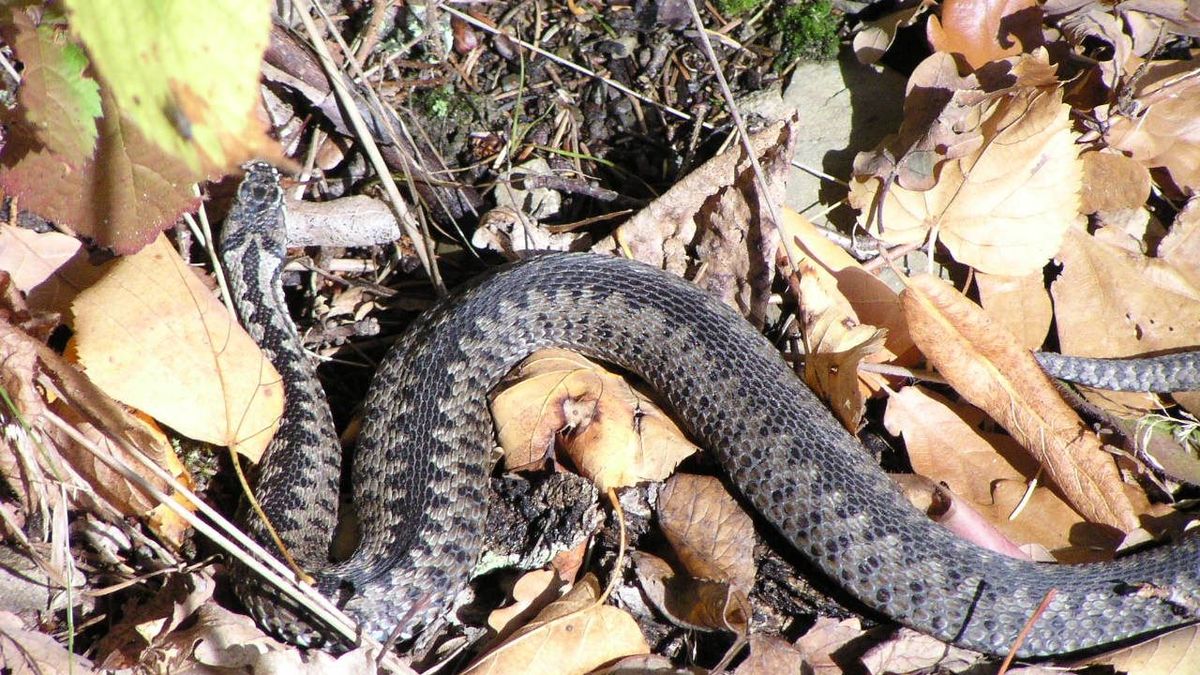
column 420, row 465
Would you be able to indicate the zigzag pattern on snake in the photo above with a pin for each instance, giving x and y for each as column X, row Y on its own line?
column 420, row 464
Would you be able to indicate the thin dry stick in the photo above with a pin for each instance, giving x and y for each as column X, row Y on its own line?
column 406, row 218
column 1026, row 629
column 224, row 534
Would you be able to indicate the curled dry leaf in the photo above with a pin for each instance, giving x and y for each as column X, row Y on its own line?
column 824, row 639
column 911, row 652
column 572, row 635
column 833, row 292
column 617, row 436
column 1003, row 200
column 710, row 533
column 1163, row 130
column 987, row 367
column 709, row 227
column 689, row 602
column 154, row 337
column 982, row 31
column 956, row 514
column 531, row 592
column 874, row 37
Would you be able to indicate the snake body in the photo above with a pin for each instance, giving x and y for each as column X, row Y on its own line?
column 420, row 466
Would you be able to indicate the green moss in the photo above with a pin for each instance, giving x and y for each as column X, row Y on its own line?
column 444, row 103
column 809, row 30
column 733, row 8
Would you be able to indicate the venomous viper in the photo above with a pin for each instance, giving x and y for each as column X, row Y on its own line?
column 420, row 468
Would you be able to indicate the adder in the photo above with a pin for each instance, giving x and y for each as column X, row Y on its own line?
column 420, row 466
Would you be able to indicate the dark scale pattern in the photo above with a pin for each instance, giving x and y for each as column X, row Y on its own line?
column 1169, row 372
column 421, row 466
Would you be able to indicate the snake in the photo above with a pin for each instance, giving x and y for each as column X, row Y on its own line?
column 421, row 461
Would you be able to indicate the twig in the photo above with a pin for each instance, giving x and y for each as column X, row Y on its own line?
column 406, row 218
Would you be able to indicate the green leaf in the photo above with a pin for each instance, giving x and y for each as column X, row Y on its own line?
column 186, row 72
column 59, row 103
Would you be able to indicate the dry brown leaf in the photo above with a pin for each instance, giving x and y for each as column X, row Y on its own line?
column 1173, row 653
column 1181, row 247
column 872, row 301
column 1165, row 131
column 945, row 443
column 573, row 635
column 770, row 655
column 618, row 436
column 686, row 601
column 31, row 368
column 825, row 638
column 709, row 532
column 32, row 257
column 911, row 652
column 645, row 664
column 982, row 31
column 32, row 651
column 957, row 514
column 531, row 592
column 874, row 37
column 154, row 337
column 711, row 228
column 1004, row 204
column 1110, row 302
column 1021, row 304
column 986, row 366
column 1111, row 182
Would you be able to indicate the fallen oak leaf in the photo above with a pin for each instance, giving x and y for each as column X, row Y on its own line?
column 571, row 636
column 986, row 366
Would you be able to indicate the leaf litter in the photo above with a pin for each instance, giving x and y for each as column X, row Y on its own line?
column 1057, row 195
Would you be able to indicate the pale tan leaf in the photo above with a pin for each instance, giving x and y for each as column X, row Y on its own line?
column 1111, row 302
column 533, row 591
column 1165, row 131
column 945, row 443
column 572, row 635
column 871, row 301
column 1112, row 181
column 710, row 533
column 910, row 652
column 155, row 338
column 986, row 366
column 1022, row 304
column 617, row 436
column 1173, row 653
column 32, row 257
column 825, row 638
column 1004, row 206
